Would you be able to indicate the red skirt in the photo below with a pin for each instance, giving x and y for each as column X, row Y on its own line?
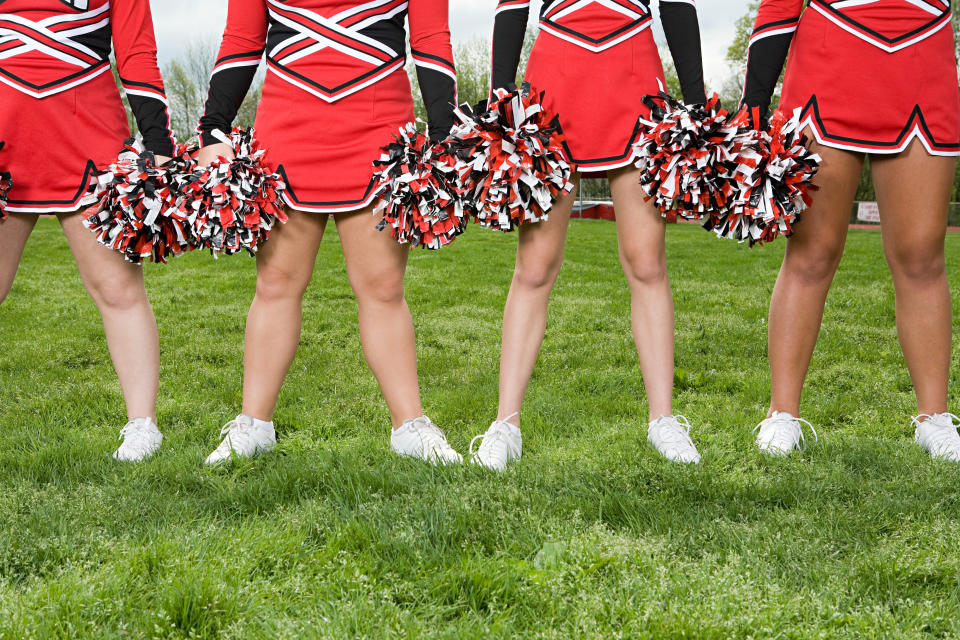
column 325, row 151
column 856, row 96
column 55, row 144
column 597, row 96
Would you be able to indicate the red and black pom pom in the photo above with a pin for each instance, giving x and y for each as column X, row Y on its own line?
column 682, row 153
column 416, row 191
column 6, row 181
column 135, row 209
column 771, row 177
column 511, row 163
column 232, row 204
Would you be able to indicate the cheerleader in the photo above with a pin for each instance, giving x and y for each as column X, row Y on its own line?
column 877, row 78
column 595, row 61
column 335, row 92
column 61, row 117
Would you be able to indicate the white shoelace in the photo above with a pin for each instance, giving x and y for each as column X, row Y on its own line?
column 679, row 433
column 135, row 430
column 235, row 432
column 490, row 442
column 137, row 438
column 781, row 440
column 430, row 435
column 941, row 439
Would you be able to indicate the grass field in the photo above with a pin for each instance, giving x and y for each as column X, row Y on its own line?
column 592, row 535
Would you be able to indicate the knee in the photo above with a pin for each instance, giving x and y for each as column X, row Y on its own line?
column 813, row 263
column 644, row 268
column 918, row 264
column 536, row 274
column 277, row 283
column 379, row 288
column 118, row 295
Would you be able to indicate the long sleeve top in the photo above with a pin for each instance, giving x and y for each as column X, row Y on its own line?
column 49, row 46
column 331, row 49
column 680, row 25
column 888, row 26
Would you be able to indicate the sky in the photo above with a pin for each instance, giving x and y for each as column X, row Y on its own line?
column 177, row 22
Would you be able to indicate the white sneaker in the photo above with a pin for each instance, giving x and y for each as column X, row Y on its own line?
column 420, row 438
column 140, row 439
column 938, row 435
column 781, row 433
column 670, row 435
column 241, row 437
column 499, row 446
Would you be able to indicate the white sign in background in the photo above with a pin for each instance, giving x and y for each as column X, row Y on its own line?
column 868, row 212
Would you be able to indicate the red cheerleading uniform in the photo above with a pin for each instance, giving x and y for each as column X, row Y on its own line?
column 867, row 75
column 60, row 111
column 595, row 60
column 336, row 90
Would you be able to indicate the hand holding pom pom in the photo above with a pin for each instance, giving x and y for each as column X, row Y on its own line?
column 135, row 210
column 510, row 162
column 233, row 202
column 415, row 191
column 771, row 176
column 682, row 153
column 5, row 183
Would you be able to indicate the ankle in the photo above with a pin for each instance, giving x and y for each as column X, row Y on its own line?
column 259, row 422
column 510, row 417
column 409, row 417
column 792, row 411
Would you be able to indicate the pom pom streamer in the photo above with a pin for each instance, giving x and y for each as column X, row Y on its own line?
column 232, row 204
column 510, row 162
column 683, row 152
column 771, row 178
column 416, row 191
column 5, row 183
column 135, row 210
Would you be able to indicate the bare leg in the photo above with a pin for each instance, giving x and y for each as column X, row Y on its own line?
column 643, row 256
column 376, row 264
column 284, row 268
column 811, row 260
column 117, row 288
column 913, row 191
column 539, row 258
column 14, row 232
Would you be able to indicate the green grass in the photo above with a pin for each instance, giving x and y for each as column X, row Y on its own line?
column 592, row 535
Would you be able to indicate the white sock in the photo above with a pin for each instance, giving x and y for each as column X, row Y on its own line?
column 262, row 424
column 514, row 429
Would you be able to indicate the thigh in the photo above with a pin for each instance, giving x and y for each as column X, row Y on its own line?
column 99, row 266
column 913, row 193
column 291, row 251
column 14, row 232
column 823, row 226
column 372, row 256
column 640, row 226
column 543, row 242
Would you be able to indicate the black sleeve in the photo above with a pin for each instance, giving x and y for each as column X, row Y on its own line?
column 136, row 51
column 509, row 29
column 243, row 44
column 433, row 56
column 682, row 28
column 776, row 23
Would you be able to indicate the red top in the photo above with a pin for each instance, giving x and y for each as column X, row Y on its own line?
column 889, row 25
column 49, row 46
column 330, row 49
